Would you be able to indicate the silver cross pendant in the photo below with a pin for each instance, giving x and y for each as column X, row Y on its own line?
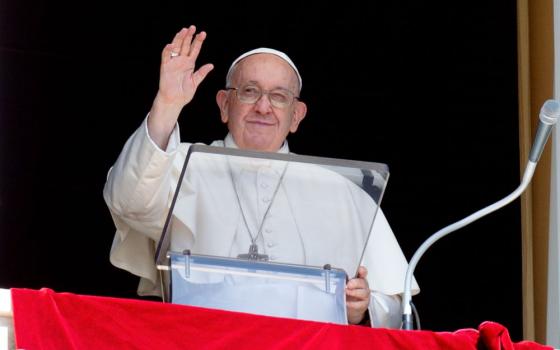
column 253, row 254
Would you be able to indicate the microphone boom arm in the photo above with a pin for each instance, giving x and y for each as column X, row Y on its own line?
column 407, row 298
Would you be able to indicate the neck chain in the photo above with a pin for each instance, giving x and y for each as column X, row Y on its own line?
column 253, row 253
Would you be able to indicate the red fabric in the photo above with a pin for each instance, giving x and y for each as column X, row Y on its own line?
column 48, row 320
column 494, row 336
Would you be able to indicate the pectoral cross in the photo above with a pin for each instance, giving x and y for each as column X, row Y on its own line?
column 253, row 254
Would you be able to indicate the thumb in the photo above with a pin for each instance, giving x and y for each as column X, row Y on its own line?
column 201, row 73
column 362, row 272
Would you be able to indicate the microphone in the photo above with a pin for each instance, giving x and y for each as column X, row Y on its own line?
column 548, row 116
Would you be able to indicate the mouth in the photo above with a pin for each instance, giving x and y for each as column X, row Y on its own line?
column 259, row 122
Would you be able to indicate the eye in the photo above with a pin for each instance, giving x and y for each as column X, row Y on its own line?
column 250, row 90
column 279, row 96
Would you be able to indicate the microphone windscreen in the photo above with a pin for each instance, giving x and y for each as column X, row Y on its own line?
column 550, row 112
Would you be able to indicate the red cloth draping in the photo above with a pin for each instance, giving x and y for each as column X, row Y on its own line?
column 47, row 320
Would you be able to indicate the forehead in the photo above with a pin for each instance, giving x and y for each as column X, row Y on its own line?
column 266, row 69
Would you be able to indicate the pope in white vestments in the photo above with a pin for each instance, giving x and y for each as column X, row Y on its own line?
column 260, row 206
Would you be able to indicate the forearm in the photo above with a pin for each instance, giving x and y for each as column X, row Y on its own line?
column 162, row 120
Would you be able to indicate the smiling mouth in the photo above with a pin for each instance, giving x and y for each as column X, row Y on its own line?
column 260, row 122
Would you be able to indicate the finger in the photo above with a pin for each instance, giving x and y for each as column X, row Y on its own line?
column 179, row 39
column 186, row 44
column 356, row 305
column 174, row 46
column 357, row 294
column 363, row 288
column 362, row 272
column 197, row 44
column 201, row 73
column 357, row 283
column 166, row 53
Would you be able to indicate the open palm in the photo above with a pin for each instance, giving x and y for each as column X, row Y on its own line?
column 178, row 78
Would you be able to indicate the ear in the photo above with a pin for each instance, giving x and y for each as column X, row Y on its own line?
column 300, row 109
column 223, row 101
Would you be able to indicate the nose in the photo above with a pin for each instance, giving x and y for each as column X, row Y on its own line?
column 263, row 104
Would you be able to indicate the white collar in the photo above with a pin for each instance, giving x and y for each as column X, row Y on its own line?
column 230, row 142
column 243, row 164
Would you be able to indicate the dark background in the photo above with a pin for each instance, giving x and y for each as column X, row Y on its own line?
column 429, row 89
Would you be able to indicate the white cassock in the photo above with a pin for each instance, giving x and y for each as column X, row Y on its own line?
column 141, row 184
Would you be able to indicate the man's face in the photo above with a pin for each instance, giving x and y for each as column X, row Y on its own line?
column 261, row 126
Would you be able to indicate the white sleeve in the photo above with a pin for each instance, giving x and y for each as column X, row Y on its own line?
column 385, row 260
column 385, row 310
column 387, row 267
column 137, row 193
column 137, row 185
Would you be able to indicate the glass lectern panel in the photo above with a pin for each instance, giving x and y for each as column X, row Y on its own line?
column 262, row 210
column 258, row 287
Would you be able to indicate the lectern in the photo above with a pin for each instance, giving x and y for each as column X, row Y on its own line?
column 268, row 233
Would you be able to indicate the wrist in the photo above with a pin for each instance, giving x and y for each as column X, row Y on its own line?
column 167, row 106
column 162, row 120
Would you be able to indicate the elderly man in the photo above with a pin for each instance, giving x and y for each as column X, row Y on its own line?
column 261, row 107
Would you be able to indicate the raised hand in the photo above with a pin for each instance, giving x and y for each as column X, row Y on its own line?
column 178, row 78
column 178, row 82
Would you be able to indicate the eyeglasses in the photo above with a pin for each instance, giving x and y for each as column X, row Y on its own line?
column 250, row 94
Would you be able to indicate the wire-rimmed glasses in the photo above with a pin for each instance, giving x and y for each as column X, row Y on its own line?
column 251, row 93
